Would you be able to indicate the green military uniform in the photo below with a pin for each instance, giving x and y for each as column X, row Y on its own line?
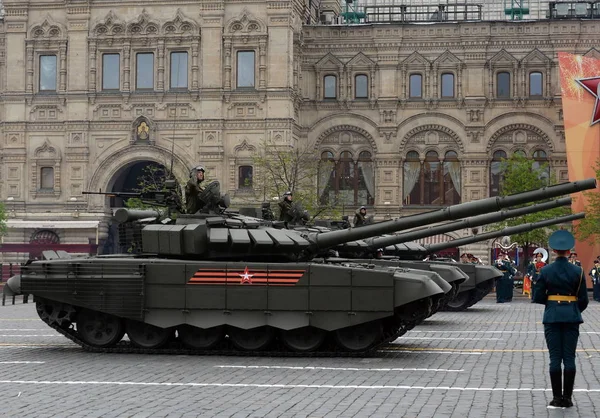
column 286, row 209
column 359, row 218
column 561, row 288
column 192, row 192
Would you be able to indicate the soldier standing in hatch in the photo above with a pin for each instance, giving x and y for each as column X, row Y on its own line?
column 561, row 287
column 286, row 208
column 192, row 190
column 360, row 217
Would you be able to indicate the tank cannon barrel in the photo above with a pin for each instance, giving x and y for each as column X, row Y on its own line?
column 474, row 221
column 123, row 215
column 461, row 210
column 506, row 231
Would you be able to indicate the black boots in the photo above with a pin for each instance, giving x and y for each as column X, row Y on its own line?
column 557, row 395
column 568, row 392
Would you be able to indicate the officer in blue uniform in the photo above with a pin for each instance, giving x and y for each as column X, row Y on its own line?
column 561, row 287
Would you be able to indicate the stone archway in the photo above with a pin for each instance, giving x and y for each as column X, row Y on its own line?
column 111, row 169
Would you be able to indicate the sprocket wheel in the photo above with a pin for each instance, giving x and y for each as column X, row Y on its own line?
column 55, row 313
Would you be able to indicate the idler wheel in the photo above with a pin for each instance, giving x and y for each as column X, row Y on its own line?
column 147, row 336
column 253, row 339
column 303, row 339
column 99, row 329
column 460, row 302
column 200, row 338
column 359, row 337
column 57, row 313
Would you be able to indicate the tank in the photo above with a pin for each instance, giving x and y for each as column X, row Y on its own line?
column 479, row 279
column 483, row 276
column 220, row 282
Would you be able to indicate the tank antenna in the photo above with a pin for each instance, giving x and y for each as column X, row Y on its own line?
column 174, row 117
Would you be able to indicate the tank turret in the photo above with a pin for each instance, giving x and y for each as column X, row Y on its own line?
column 231, row 236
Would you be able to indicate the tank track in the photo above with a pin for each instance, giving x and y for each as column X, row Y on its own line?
column 224, row 349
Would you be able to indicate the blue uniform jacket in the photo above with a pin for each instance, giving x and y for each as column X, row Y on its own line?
column 561, row 278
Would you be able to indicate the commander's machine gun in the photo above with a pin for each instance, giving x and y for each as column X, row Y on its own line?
column 167, row 197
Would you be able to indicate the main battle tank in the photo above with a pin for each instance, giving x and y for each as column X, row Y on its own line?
column 221, row 281
column 480, row 279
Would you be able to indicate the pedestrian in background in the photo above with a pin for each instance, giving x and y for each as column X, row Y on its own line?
column 561, row 288
column 595, row 275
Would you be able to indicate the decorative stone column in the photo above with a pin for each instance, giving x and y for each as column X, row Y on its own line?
column 160, row 74
column 126, row 66
column 436, row 76
column 262, row 67
column 548, row 79
column 29, row 69
column 459, row 92
column 63, row 67
column 515, row 78
column 195, row 66
column 403, row 77
column 227, row 46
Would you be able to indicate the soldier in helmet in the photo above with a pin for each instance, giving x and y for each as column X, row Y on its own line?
column 360, row 217
column 286, row 208
column 193, row 189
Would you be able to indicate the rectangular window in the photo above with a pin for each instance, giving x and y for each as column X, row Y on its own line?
column 361, row 86
column 503, row 85
column 415, row 87
column 245, row 177
column 111, row 72
column 447, row 85
column 48, row 73
column 330, row 82
column 535, row 84
column 245, row 69
column 47, row 178
column 145, row 71
column 179, row 70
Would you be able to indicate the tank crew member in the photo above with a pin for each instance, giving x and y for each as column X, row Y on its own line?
column 360, row 217
column 533, row 270
column 286, row 208
column 193, row 189
column 464, row 258
column 561, row 287
column 595, row 275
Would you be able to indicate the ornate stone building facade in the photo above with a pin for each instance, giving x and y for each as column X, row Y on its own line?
column 414, row 116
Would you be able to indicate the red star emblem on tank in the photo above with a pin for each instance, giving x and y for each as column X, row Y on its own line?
column 591, row 85
column 246, row 277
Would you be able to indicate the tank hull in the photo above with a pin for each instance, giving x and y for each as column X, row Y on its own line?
column 276, row 298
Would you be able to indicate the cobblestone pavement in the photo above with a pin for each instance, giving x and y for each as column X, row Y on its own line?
column 489, row 361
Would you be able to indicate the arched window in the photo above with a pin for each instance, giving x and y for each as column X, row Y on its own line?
column 535, row 84
column 330, row 87
column 520, row 153
column 496, row 176
column 361, row 87
column 415, row 86
column 346, row 181
column 452, row 181
column 432, row 182
column 447, row 86
column 503, row 85
column 540, row 159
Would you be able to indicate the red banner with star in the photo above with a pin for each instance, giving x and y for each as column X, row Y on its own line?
column 579, row 82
